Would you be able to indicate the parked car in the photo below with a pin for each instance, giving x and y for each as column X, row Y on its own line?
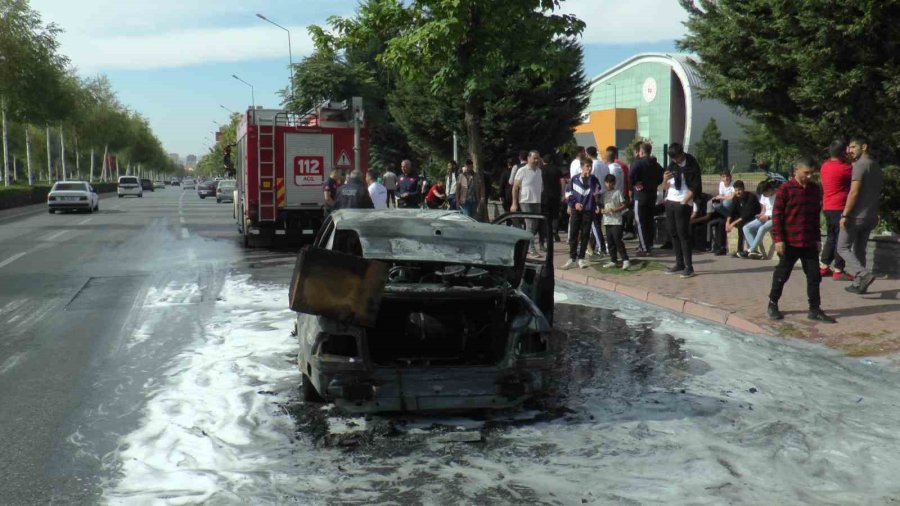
column 225, row 191
column 419, row 310
column 188, row 184
column 129, row 185
column 159, row 184
column 206, row 189
column 147, row 185
column 73, row 195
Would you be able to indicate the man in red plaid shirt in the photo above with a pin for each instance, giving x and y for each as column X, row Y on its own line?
column 795, row 229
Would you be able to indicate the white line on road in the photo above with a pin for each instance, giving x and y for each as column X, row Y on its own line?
column 184, row 233
column 12, row 259
column 54, row 236
column 82, row 222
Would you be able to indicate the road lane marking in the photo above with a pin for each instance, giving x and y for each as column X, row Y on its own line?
column 84, row 221
column 12, row 259
column 184, row 233
column 54, row 236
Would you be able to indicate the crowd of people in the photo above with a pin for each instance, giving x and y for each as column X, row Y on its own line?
column 598, row 201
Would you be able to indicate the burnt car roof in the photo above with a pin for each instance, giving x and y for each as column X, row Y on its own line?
column 430, row 235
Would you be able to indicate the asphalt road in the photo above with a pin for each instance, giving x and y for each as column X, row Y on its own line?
column 73, row 288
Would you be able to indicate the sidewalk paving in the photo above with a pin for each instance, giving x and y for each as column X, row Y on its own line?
column 734, row 291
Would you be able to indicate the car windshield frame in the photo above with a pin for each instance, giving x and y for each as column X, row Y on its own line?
column 57, row 187
column 133, row 180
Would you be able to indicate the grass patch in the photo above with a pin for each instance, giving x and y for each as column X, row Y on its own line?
column 788, row 330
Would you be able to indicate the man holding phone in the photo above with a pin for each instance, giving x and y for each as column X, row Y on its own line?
column 681, row 184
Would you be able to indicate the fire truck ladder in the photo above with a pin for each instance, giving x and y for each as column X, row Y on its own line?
column 265, row 157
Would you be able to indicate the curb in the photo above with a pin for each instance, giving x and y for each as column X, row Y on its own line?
column 695, row 308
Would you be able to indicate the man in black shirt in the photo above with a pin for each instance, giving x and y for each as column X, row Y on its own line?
column 552, row 194
column 645, row 177
column 354, row 194
column 744, row 210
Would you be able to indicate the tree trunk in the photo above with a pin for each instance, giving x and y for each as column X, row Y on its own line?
column 28, row 155
column 91, row 177
column 105, row 170
column 62, row 153
column 473, row 134
column 77, row 162
column 49, row 158
column 5, row 143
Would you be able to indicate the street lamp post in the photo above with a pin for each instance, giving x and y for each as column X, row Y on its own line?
column 252, row 96
column 227, row 109
column 290, row 52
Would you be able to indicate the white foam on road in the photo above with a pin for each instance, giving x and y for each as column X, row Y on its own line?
column 173, row 294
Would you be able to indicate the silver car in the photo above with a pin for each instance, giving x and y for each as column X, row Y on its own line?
column 422, row 310
column 73, row 195
column 225, row 191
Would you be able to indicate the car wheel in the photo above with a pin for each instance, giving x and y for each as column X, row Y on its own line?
column 89, row 210
column 218, row 201
column 308, row 392
column 120, row 196
column 97, row 207
column 141, row 196
column 202, row 196
column 51, row 211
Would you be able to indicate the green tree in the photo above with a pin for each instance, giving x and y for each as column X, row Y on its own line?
column 807, row 71
column 708, row 150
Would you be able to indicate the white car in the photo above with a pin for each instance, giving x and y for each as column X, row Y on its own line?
column 159, row 185
column 188, row 184
column 75, row 195
column 129, row 185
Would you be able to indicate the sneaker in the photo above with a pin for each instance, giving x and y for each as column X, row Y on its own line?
column 826, row 271
column 596, row 257
column 674, row 270
column 820, row 316
column 556, row 238
column 688, row 273
column 862, row 284
column 626, row 265
column 610, row 265
column 773, row 312
column 756, row 255
column 841, row 276
column 583, row 263
column 569, row 264
column 720, row 253
column 743, row 254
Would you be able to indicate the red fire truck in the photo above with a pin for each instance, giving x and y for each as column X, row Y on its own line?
column 281, row 162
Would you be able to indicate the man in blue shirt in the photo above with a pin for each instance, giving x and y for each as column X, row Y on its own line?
column 407, row 186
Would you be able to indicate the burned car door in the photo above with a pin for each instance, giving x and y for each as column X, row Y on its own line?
column 344, row 287
column 538, row 279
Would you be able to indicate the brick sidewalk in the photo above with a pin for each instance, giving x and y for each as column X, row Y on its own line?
column 734, row 291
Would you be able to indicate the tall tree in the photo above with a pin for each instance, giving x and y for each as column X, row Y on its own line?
column 807, row 71
column 464, row 47
column 708, row 150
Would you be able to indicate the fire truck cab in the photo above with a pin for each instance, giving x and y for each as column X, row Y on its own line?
column 282, row 160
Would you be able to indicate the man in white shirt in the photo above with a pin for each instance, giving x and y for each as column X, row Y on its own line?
column 575, row 166
column 616, row 170
column 722, row 203
column 390, row 184
column 756, row 229
column 527, row 189
column 377, row 191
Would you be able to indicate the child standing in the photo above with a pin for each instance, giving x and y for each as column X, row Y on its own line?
column 581, row 192
column 613, row 208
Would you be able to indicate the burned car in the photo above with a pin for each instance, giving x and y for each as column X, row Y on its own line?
column 421, row 310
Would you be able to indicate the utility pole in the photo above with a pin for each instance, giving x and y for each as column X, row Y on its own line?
column 49, row 159
column 62, row 153
column 5, row 143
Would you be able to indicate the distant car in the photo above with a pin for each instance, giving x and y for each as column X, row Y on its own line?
column 175, row 182
column 225, row 191
column 188, row 184
column 147, row 185
column 159, row 184
column 206, row 189
column 74, row 195
column 129, row 185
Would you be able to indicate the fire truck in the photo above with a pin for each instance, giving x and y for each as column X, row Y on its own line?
column 281, row 162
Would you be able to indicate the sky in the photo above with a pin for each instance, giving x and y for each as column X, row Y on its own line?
column 173, row 60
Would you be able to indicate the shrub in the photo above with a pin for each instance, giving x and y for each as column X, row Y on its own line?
column 890, row 199
column 16, row 196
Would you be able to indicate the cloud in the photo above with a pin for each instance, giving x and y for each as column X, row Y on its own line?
column 182, row 48
column 632, row 22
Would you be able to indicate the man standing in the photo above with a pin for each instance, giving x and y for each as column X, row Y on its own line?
column 450, row 184
column 505, row 185
column 407, row 186
column 575, row 165
column 582, row 192
column 527, row 190
column 836, row 174
column 377, row 191
column 390, row 184
column 469, row 191
column 330, row 188
column 860, row 214
column 646, row 175
column 795, row 229
column 682, row 184
column 552, row 195
column 353, row 194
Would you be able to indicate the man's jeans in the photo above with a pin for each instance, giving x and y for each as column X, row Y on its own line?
column 532, row 224
column 852, row 243
column 829, row 250
column 755, row 231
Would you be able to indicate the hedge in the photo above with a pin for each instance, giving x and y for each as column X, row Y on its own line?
column 15, row 196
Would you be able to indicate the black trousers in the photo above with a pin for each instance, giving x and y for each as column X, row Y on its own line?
column 615, row 243
column 678, row 221
column 829, row 249
column 809, row 259
column 643, row 220
column 597, row 234
column 579, row 233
